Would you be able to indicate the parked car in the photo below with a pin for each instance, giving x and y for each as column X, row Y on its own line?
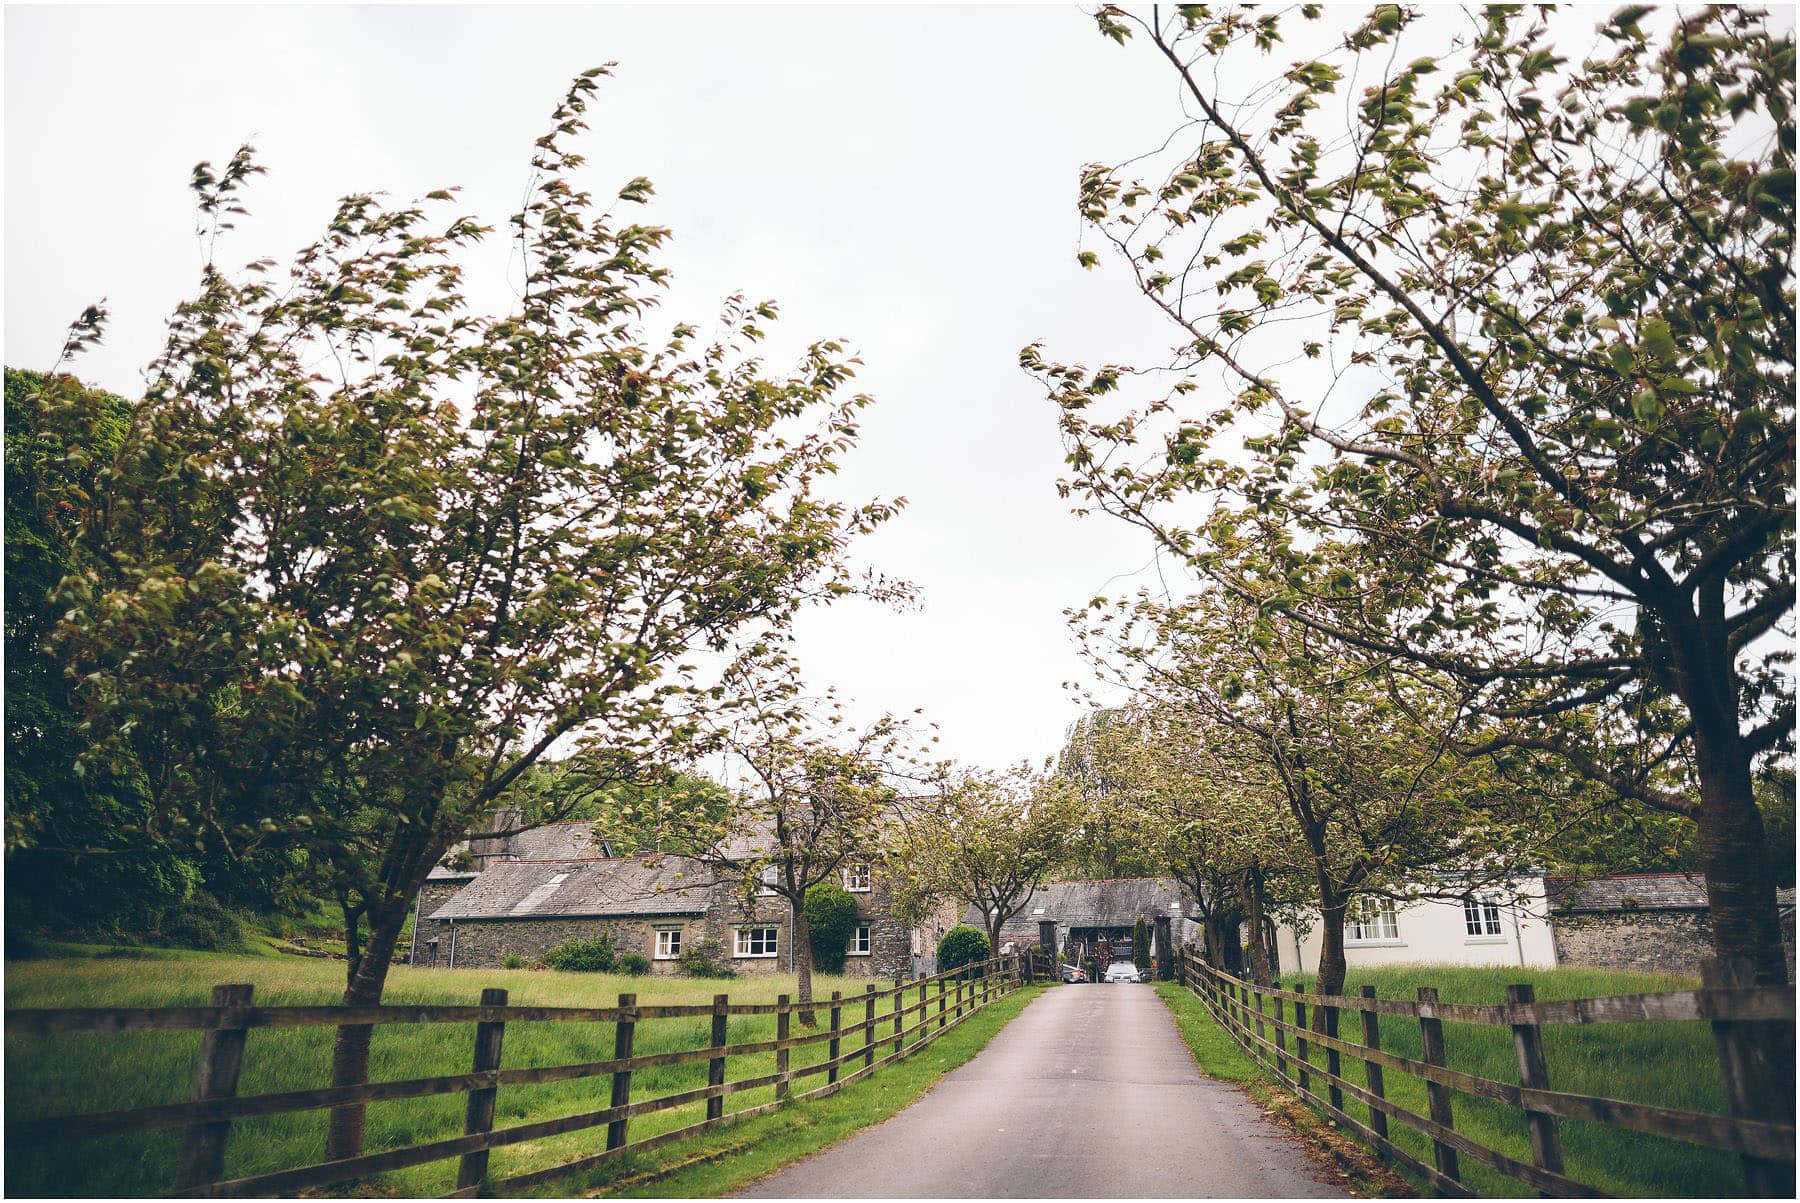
column 1073, row 973
column 1123, row 971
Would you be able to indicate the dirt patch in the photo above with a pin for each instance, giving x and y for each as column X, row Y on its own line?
column 1358, row 1168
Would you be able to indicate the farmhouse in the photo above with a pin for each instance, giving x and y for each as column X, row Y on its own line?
column 514, row 893
column 1086, row 912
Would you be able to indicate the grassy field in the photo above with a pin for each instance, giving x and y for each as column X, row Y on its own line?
column 70, row 1074
column 1670, row 1064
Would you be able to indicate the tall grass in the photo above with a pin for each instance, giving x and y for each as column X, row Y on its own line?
column 1668, row 1064
column 92, row 1072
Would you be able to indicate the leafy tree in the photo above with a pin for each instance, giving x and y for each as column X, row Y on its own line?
column 1140, row 945
column 962, row 945
column 363, row 557
column 830, row 922
column 811, row 794
column 984, row 838
column 1519, row 326
column 1110, row 841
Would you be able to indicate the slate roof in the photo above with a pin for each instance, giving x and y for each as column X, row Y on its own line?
column 555, row 841
column 1649, row 892
column 615, row 887
column 1114, row 902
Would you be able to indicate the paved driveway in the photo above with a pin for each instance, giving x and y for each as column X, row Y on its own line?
column 1090, row 1093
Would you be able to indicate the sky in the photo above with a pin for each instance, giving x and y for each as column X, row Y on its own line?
column 901, row 177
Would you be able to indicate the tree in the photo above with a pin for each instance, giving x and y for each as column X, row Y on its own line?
column 962, row 945
column 830, row 922
column 985, row 838
column 1140, row 945
column 810, row 794
column 1519, row 326
column 1111, row 840
column 362, row 557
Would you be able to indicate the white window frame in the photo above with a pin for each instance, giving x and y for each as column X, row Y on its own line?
column 858, row 872
column 861, row 940
column 1372, row 921
column 747, row 938
column 667, row 946
column 767, row 887
column 1481, row 919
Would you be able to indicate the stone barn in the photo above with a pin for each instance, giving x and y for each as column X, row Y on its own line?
column 1086, row 912
column 1649, row 921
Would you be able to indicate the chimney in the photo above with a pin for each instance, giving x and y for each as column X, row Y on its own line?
column 490, row 843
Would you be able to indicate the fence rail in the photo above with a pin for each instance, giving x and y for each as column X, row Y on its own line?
column 910, row 1023
column 1748, row 1023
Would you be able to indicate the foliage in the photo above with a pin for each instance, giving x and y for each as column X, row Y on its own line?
column 1140, row 945
column 962, row 945
column 1111, row 841
column 706, row 958
column 634, row 964
column 581, row 955
column 984, row 838
column 830, row 922
column 512, row 960
column 201, row 923
column 1544, row 383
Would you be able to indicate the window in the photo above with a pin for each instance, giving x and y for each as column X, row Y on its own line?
column 1481, row 916
column 859, row 943
column 757, row 941
column 767, row 877
column 1372, row 919
column 856, row 878
column 668, row 943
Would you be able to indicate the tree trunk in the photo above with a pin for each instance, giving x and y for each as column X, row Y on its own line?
column 1332, row 965
column 1251, row 887
column 350, row 1048
column 803, row 991
column 1234, row 947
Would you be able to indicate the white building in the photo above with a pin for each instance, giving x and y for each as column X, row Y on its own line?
column 1491, row 926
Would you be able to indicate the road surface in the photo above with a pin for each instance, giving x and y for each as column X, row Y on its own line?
column 1089, row 1093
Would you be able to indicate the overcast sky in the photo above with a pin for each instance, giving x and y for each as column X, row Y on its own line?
column 904, row 178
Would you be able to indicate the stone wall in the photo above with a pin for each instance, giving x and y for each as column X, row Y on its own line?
column 431, row 897
column 486, row 943
column 1665, row 941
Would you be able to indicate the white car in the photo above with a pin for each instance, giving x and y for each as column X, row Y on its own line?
column 1122, row 971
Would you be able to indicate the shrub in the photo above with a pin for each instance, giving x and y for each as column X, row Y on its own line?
column 1140, row 946
column 634, row 963
column 705, row 959
column 830, row 922
column 201, row 923
column 513, row 960
column 582, row 956
column 961, row 945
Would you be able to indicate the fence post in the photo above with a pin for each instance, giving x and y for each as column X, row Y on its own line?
column 624, row 1033
column 1754, row 1060
column 837, row 1025
column 1334, row 1064
column 216, row 1074
column 783, row 1026
column 478, row 1115
column 869, row 1026
column 1300, row 1049
column 1371, row 1025
column 715, row 1068
column 1534, row 1074
column 940, row 982
column 1431, row 1037
column 1281, row 1062
column 924, row 1035
column 1256, row 992
column 900, row 1012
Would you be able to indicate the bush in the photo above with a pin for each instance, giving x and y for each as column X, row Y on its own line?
column 830, row 922
column 582, row 956
column 962, row 945
column 1140, row 946
column 705, row 959
column 634, row 963
column 513, row 960
column 201, row 923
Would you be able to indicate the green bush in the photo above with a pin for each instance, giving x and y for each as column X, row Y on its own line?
column 705, row 959
column 1140, row 946
column 582, row 956
column 513, row 960
column 201, row 923
column 830, row 922
column 962, row 945
column 634, row 963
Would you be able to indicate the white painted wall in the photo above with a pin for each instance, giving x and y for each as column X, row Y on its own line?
column 1433, row 932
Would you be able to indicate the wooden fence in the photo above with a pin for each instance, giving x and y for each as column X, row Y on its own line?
column 915, row 1013
column 1747, row 1021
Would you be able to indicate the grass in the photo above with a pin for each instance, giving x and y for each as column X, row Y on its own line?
column 1669, row 1064
column 91, row 1072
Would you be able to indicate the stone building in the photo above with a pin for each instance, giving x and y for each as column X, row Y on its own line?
column 1085, row 912
column 521, row 893
column 1650, row 921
